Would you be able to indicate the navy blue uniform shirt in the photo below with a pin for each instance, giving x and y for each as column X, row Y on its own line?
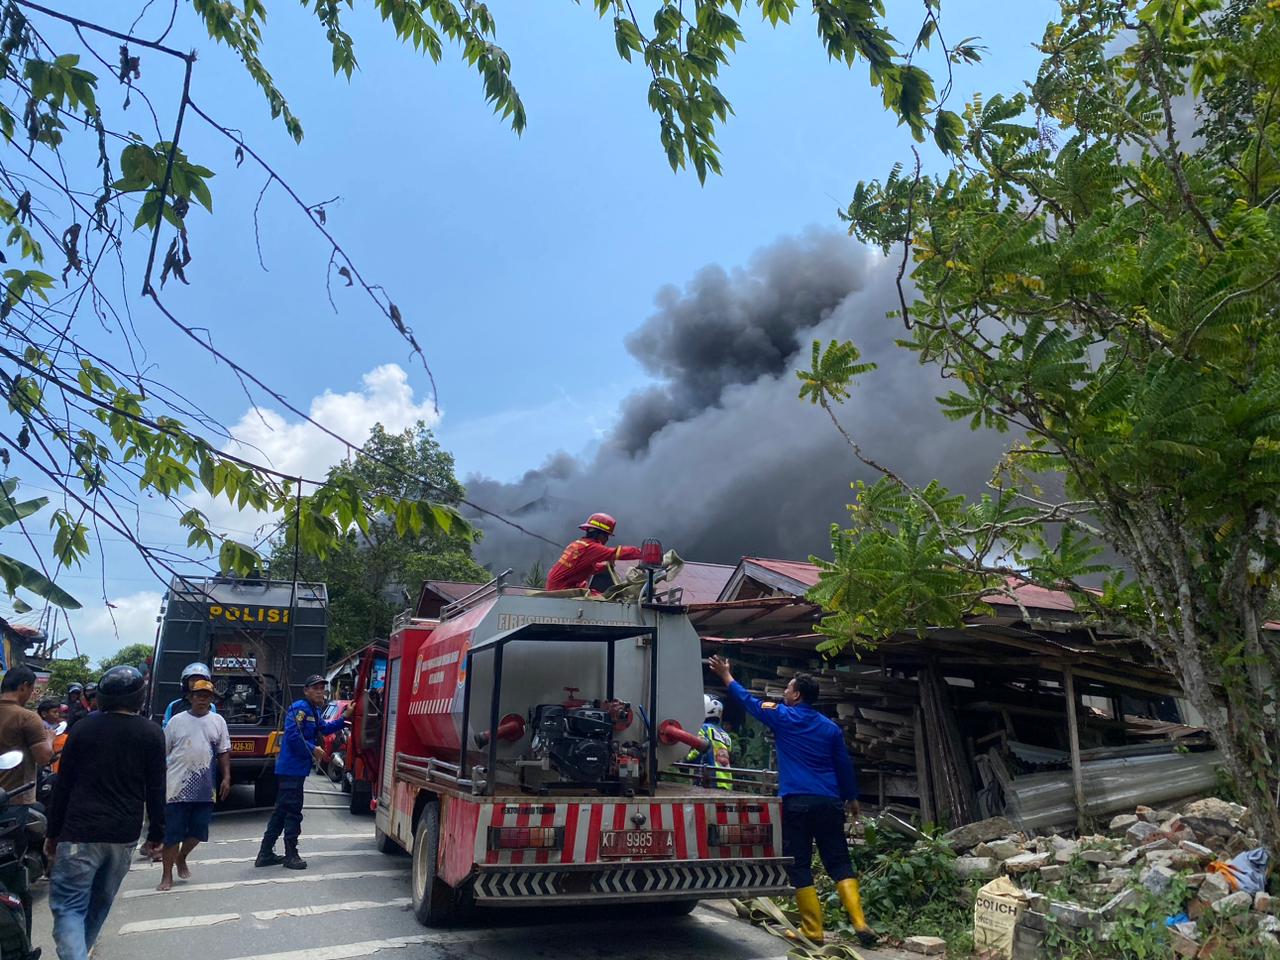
column 812, row 757
column 303, row 730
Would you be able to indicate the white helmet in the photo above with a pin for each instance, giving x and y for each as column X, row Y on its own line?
column 711, row 707
column 196, row 669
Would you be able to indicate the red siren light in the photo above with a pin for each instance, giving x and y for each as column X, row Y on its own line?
column 651, row 553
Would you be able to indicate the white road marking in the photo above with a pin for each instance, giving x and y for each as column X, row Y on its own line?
column 709, row 918
column 262, row 881
column 317, row 909
column 177, row 923
column 306, row 855
column 344, row 951
column 257, row 838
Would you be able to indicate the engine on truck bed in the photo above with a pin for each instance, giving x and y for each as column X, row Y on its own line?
column 576, row 741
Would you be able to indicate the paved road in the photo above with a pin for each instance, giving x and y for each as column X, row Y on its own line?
column 353, row 902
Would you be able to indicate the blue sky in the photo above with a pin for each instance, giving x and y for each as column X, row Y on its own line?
column 520, row 262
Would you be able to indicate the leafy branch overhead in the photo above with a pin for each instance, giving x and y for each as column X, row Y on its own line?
column 69, row 547
column 685, row 48
column 1103, row 285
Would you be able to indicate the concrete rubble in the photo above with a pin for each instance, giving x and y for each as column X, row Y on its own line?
column 1086, row 886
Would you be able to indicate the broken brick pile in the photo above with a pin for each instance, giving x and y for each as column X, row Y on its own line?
column 1141, row 854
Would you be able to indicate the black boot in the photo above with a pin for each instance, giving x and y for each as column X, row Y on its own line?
column 267, row 856
column 291, row 859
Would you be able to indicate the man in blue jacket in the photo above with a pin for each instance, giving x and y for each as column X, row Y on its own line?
column 303, row 732
column 817, row 783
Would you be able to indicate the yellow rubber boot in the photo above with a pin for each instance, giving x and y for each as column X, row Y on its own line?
column 810, row 915
column 851, row 897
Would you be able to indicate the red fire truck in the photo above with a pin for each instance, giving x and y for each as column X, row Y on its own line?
column 532, row 754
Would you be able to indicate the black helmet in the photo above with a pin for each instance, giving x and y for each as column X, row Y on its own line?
column 122, row 688
column 74, row 688
column 90, row 689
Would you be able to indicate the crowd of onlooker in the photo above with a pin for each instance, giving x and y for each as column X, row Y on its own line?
column 102, row 769
column 106, row 769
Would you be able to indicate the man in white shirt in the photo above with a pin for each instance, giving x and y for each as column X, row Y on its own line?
column 196, row 741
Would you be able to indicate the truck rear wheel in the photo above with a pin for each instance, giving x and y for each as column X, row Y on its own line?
column 361, row 797
column 435, row 903
column 674, row 908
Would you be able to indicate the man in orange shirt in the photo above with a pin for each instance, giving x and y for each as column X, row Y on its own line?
column 588, row 555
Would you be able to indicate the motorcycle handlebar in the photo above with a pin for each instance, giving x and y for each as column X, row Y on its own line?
column 7, row 795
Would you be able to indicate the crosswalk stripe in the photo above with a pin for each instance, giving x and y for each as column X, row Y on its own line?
column 316, row 909
column 257, row 838
column 307, row 854
column 363, row 948
column 262, row 881
column 177, row 923
column 344, row 951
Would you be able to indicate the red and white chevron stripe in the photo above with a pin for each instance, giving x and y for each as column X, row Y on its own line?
column 583, row 822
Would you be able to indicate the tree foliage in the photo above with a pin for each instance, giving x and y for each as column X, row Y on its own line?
column 131, row 655
column 19, row 575
column 1100, row 284
column 370, row 571
column 63, row 673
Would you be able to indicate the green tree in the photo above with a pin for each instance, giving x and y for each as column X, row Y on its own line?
column 82, row 194
column 133, row 655
column 369, row 571
column 535, row 576
column 20, row 575
column 1103, row 286
column 63, row 673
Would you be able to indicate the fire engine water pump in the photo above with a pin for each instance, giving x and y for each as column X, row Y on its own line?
column 576, row 740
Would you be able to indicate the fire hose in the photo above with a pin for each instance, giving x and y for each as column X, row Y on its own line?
column 766, row 914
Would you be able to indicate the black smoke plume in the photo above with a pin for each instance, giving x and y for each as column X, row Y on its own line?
column 719, row 458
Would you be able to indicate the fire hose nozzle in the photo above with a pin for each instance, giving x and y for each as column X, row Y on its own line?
column 669, row 732
column 510, row 730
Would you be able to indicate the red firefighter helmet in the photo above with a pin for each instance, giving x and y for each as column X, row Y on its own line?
column 600, row 521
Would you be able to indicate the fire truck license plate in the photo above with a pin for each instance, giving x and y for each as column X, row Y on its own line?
column 242, row 746
column 636, row 843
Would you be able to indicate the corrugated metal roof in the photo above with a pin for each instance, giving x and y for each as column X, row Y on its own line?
column 1031, row 596
column 701, row 582
column 798, row 570
column 805, row 575
column 453, row 590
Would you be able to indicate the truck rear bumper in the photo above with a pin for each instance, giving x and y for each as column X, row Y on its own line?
column 520, row 885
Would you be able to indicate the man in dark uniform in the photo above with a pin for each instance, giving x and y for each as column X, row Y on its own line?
column 303, row 734
column 817, row 783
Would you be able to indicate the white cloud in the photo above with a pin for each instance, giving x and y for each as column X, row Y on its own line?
column 98, row 635
column 295, row 447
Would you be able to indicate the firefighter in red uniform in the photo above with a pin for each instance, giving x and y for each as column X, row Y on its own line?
column 589, row 554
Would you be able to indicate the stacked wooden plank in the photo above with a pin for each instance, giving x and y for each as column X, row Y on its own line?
column 894, row 732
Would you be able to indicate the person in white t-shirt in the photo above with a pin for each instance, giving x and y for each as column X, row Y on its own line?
column 197, row 743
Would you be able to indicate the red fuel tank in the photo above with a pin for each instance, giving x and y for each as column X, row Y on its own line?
column 437, row 681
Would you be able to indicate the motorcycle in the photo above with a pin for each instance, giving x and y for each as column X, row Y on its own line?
column 22, row 832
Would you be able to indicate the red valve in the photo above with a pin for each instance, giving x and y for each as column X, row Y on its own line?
column 510, row 730
column 669, row 732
